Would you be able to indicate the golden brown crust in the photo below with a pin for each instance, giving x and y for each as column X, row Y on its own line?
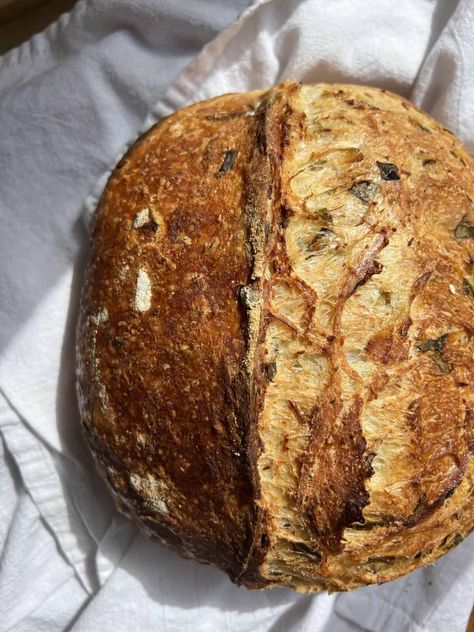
column 161, row 341
column 276, row 338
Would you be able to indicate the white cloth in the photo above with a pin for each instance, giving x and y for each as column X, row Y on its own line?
column 70, row 101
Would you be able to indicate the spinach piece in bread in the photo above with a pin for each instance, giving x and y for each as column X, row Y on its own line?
column 388, row 171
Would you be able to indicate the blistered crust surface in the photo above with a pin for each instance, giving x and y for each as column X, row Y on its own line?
column 161, row 337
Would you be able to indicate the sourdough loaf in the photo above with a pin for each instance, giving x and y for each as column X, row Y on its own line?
column 275, row 344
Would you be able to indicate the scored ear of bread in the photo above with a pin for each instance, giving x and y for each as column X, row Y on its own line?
column 276, row 339
column 367, row 429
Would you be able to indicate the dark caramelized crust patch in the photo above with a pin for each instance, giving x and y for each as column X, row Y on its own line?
column 162, row 336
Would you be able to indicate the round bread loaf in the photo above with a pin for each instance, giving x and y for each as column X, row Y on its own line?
column 275, row 346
